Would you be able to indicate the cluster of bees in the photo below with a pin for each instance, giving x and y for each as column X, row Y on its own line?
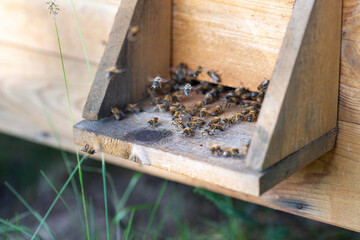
column 166, row 96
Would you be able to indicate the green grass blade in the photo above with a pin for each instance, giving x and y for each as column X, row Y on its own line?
column 33, row 212
column 157, row 203
column 6, row 227
column 105, row 196
column 130, row 187
column 61, row 198
column 91, row 219
column 72, row 120
column 162, row 220
column 23, row 230
column 82, row 40
column 128, row 229
column 124, row 211
column 58, row 196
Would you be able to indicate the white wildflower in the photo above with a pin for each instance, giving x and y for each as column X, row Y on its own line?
column 53, row 8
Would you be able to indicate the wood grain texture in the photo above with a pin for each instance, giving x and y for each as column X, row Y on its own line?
column 301, row 102
column 327, row 190
column 138, row 58
column 239, row 38
column 28, row 24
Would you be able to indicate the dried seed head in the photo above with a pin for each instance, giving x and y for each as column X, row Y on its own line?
column 53, row 8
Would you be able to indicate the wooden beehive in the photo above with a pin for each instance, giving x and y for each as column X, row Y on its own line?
column 246, row 41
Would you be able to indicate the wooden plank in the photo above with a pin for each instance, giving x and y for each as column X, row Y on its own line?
column 28, row 24
column 301, row 102
column 239, row 38
column 327, row 190
column 138, row 58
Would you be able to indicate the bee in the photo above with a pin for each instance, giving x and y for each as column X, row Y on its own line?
column 178, row 114
column 214, row 76
column 177, row 123
column 244, row 112
column 253, row 95
column 203, row 112
column 172, row 110
column 157, row 82
column 168, row 98
column 217, row 110
column 260, row 97
column 215, row 149
column 216, row 126
column 198, row 105
column 187, row 89
column 204, row 87
column 89, row 150
column 188, row 132
column 197, row 72
column 246, row 95
column 112, row 71
column 246, row 149
column 162, row 107
column 239, row 91
column 134, row 108
column 181, row 72
column 195, row 124
column 206, row 132
column 264, row 85
column 132, row 33
column 227, row 121
column 179, row 106
column 251, row 117
column 214, row 120
column 231, row 100
column 151, row 91
column 155, row 101
column 153, row 122
column 118, row 115
column 239, row 117
column 209, row 98
column 231, row 152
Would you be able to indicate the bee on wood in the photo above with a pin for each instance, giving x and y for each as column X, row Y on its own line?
column 198, row 106
column 134, row 108
column 195, row 124
column 132, row 33
column 188, row 132
column 215, row 149
column 235, row 100
column 253, row 95
column 168, row 98
column 216, row 126
column 260, row 97
column 231, row 152
column 197, row 72
column 204, row 87
column 178, row 114
column 239, row 117
column 153, row 122
column 214, row 120
column 246, row 96
column 172, row 110
column 118, row 115
column 112, row 71
column 206, row 132
column 217, row 110
column 89, row 150
column 264, row 85
column 203, row 112
column 161, row 107
column 239, row 91
column 227, row 121
column 177, row 123
column 244, row 112
column 155, row 101
column 214, row 76
column 251, row 117
column 209, row 98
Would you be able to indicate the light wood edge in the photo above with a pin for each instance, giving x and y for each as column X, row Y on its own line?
column 137, row 57
column 262, row 152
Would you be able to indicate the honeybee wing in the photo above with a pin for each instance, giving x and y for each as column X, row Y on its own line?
column 164, row 80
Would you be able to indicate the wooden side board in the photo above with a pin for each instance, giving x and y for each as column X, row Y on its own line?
column 327, row 190
column 301, row 102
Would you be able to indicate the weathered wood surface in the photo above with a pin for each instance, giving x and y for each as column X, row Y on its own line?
column 138, row 56
column 327, row 190
column 239, row 38
column 301, row 102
